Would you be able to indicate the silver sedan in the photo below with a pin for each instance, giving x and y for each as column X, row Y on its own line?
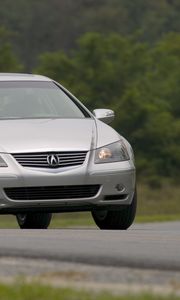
column 57, row 156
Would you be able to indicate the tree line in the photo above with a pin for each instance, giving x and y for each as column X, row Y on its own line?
column 40, row 26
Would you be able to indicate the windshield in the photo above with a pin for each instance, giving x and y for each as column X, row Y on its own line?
column 36, row 99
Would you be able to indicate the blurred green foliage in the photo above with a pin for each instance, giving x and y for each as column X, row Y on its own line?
column 8, row 60
column 24, row 289
column 41, row 26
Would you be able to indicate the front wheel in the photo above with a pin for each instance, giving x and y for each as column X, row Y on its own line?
column 34, row 220
column 114, row 220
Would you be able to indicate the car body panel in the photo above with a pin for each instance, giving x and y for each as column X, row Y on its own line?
column 22, row 77
column 38, row 135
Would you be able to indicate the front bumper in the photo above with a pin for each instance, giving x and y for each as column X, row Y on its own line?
column 116, row 180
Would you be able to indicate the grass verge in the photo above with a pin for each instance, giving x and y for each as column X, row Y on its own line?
column 35, row 291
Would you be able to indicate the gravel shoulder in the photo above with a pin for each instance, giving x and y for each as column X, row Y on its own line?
column 96, row 278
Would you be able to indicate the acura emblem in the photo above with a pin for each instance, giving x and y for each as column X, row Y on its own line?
column 53, row 160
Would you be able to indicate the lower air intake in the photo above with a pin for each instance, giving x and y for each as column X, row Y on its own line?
column 52, row 192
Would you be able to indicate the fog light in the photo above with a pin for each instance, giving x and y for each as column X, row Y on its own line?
column 120, row 187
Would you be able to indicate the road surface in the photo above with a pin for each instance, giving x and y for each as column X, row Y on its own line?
column 149, row 246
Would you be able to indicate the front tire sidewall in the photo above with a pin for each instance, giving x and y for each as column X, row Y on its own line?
column 116, row 220
column 34, row 220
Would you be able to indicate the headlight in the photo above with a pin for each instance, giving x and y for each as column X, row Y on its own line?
column 111, row 153
column 2, row 162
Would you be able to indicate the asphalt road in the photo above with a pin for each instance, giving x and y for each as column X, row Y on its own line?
column 150, row 246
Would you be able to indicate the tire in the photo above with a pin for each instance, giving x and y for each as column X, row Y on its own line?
column 34, row 220
column 116, row 220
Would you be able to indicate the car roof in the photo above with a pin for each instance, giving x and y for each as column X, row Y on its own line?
column 22, row 77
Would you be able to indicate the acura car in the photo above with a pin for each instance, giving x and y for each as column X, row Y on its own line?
column 57, row 156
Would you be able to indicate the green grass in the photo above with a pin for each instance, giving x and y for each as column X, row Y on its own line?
column 157, row 218
column 154, row 205
column 8, row 222
column 37, row 291
column 68, row 220
column 158, row 205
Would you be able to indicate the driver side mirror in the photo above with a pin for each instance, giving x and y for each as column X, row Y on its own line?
column 104, row 115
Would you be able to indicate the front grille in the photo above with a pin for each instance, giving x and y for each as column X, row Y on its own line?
column 52, row 192
column 44, row 160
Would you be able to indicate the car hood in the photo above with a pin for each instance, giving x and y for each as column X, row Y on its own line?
column 36, row 135
column 46, row 135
